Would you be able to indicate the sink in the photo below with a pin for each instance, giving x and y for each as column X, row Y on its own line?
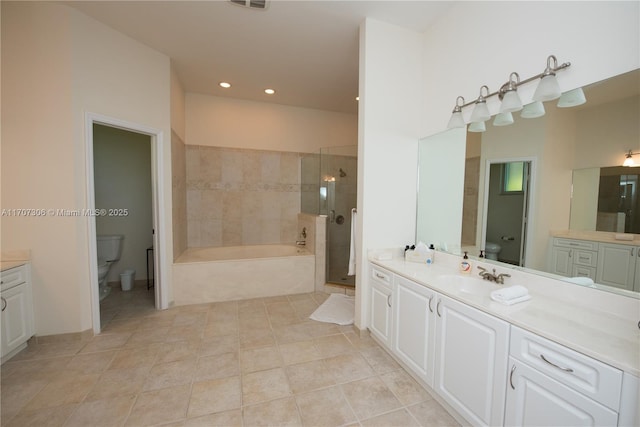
column 468, row 284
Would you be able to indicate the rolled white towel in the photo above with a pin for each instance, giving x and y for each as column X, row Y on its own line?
column 511, row 295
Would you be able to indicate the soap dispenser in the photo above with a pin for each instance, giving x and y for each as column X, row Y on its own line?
column 465, row 264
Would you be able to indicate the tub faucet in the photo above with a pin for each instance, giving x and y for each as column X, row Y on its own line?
column 301, row 242
column 499, row 278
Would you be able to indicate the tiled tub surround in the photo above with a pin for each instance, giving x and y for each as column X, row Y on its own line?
column 252, row 362
column 241, row 197
column 598, row 324
column 238, row 272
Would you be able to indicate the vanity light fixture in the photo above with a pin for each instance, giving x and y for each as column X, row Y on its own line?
column 481, row 112
column 503, row 119
column 548, row 89
column 510, row 100
column 477, row 127
column 628, row 159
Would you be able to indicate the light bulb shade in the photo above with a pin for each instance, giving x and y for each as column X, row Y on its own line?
column 548, row 89
column 533, row 110
column 477, row 127
column 511, row 102
column 480, row 112
column 456, row 121
column 572, row 98
column 503, row 119
column 628, row 161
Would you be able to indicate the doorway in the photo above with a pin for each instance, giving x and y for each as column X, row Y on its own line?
column 506, row 210
column 155, row 141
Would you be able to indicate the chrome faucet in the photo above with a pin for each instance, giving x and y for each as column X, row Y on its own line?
column 499, row 278
column 301, row 242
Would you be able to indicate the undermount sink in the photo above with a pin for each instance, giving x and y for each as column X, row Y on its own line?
column 468, row 284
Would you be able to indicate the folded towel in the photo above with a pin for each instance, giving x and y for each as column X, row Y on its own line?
column 585, row 281
column 511, row 295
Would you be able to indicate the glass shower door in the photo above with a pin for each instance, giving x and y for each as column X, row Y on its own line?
column 338, row 195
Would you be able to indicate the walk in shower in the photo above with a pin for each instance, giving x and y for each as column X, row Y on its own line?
column 329, row 187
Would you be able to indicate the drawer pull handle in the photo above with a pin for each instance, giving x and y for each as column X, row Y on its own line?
column 389, row 300
column 4, row 303
column 511, row 377
column 554, row 365
column 379, row 276
column 431, row 310
column 438, row 309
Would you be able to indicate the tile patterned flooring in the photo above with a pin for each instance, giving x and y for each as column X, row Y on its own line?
column 258, row 362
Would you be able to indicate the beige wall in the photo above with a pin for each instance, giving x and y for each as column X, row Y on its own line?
column 57, row 65
column 177, row 106
column 226, row 122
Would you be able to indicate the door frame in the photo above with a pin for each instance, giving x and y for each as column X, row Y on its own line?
column 157, row 199
column 527, row 231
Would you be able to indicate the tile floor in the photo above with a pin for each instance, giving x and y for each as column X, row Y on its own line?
column 257, row 362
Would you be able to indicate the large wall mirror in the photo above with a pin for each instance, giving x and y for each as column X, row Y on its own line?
column 567, row 176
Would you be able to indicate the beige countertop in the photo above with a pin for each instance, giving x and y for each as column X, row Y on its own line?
column 598, row 236
column 596, row 323
column 14, row 258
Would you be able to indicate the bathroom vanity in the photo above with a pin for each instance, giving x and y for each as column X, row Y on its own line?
column 546, row 361
column 17, row 307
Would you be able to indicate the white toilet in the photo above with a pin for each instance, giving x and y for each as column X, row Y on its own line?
column 491, row 250
column 109, row 250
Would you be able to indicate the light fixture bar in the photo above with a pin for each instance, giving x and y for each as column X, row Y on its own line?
column 530, row 79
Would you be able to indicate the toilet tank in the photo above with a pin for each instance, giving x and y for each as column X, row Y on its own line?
column 109, row 246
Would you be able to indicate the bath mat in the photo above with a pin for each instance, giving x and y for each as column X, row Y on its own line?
column 338, row 308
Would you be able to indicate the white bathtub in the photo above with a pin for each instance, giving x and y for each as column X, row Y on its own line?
column 202, row 275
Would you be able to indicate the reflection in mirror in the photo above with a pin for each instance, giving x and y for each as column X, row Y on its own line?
column 570, row 147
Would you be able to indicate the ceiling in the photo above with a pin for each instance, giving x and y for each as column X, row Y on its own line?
column 307, row 51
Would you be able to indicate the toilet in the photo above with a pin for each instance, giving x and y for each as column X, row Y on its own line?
column 109, row 251
column 491, row 250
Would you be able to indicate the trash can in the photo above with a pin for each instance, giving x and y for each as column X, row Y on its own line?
column 126, row 279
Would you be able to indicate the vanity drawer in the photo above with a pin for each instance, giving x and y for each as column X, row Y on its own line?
column 576, row 244
column 13, row 277
column 583, row 374
column 586, row 258
column 381, row 275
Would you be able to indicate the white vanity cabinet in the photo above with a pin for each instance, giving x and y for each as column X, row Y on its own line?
column 551, row 385
column 574, row 258
column 381, row 314
column 414, row 324
column 617, row 265
column 17, row 310
column 471, row 361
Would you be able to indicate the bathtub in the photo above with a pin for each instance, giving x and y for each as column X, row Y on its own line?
column 202, row 275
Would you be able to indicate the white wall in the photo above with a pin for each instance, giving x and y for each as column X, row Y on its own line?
column 388, row 133
column 233, row 123
column 58, row 64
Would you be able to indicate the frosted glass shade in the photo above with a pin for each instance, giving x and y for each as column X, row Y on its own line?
column 628, row 161
column 572, row 98
column 548, row 89
column 511, row 102
column 503, row 119
column 477, row 127
column 533, row 110
column 456, row 121
column 480, row 112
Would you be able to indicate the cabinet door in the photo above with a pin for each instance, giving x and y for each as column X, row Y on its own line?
column 381, row 312
column 616, row 265
column 471, row 361
column 414, row 327
column 15, row 318
column 533, row 399
column 561, row 261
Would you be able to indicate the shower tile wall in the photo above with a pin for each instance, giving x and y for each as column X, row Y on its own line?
column 470, row 201
column 241, row 197
column 179, row 194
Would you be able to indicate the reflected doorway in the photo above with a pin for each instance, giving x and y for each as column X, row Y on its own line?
column 507, row 189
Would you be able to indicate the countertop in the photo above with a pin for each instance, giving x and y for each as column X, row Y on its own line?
column 597, row 236
column 14, row 258
column 6, row 265
column 610, row 335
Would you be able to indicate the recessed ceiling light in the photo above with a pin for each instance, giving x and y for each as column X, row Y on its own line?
column 225, row 85
column 269, row 91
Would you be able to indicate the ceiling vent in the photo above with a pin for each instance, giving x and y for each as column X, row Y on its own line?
column 252, row 4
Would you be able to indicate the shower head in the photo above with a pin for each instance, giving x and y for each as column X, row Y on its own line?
column 342, row 173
